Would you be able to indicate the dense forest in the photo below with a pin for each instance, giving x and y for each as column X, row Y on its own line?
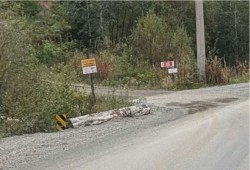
column 42, row 43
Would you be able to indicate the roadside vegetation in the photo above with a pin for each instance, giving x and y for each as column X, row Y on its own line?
column 42, row 43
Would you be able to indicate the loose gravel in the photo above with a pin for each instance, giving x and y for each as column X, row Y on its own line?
column 17, row 151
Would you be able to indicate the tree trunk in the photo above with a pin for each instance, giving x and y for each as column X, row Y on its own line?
column 89, row 27
column 236, row 34
column 123, row 24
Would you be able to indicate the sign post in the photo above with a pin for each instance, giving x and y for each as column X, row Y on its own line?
column 169, row 65
column 89, row 67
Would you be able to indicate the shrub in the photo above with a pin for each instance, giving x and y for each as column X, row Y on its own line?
column 32, row 93
column 150, row 39
column 37, row 96
column 153, row 41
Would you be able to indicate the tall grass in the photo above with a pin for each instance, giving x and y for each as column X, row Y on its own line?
column 124, row 71
column 218, row 72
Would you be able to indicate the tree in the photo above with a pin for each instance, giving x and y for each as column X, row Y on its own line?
column 227, row 31
column 150, row 39
column 153, row 41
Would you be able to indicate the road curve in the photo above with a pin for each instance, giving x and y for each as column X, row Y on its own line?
column 213, row 140
column 216, row 139
column 205, row 128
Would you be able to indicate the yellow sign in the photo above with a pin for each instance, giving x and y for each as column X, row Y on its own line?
column 88, row 62
column 89, row 66
column 61, row 122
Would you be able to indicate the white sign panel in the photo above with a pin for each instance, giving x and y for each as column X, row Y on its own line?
column 172, row 70
column 162, row 64
column 89, row 70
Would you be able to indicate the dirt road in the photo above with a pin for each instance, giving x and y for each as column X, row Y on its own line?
column 119, row 91
column 193, row 129
column 217, row 139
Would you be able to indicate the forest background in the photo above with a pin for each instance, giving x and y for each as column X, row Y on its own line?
column 42, row 43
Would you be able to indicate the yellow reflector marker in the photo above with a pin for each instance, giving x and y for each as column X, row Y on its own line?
column 61, row 122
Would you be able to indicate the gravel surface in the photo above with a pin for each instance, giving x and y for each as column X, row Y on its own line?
column 17, row 151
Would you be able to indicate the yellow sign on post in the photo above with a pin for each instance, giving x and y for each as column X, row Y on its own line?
column 61, row 122
column 89, row 66
column 88, row 62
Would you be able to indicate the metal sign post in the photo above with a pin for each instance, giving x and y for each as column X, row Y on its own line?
column 172, row 71
column 169, row 65
column 91, row 81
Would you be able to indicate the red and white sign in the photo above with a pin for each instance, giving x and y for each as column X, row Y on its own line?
column 167, row 64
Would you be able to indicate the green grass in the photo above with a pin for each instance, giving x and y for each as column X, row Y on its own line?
column 110, row 101
column 240, row 79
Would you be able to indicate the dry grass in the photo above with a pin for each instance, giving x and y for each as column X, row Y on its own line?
column 218, row 72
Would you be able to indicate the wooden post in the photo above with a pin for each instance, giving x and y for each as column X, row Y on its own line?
column 200, row 37
column 91, row 81
column 173, row 77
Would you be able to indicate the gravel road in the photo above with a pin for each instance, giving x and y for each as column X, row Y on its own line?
column 48, row 150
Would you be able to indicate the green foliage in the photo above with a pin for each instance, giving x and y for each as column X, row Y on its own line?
column 88, row 24
column 51, row 53
column 35, row 94
column 180, row 46
column 110, row 101
column 245, row 77
column 227, row 34
column 44, row 25
column 153, row 43
column 40, row 58
column 31, row 92
column 29, row 8
column 183, row 55
column 126, row 72
column 150, row 39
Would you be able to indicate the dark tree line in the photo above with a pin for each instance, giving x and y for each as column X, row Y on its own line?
column 226, row 23
column 99, row 25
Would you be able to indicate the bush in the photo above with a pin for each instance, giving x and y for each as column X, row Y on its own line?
column 150, row 39
column 126, row 72
column 153, row 41
column 37, row 96
column 32, row 93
